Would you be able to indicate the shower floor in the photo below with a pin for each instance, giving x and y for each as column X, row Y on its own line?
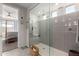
column 45, row 50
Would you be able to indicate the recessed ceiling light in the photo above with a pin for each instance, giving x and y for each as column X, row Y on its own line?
column 39, row 12
column 56, row 3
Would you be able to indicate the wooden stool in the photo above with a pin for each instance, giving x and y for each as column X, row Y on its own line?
column 34, row 50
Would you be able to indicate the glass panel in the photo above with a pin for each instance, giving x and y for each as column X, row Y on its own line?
column 39, row 28
column 3, row 29
column 63, row 30
column 1, row 37
column 57, row 31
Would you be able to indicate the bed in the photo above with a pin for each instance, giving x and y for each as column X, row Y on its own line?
column 11, row 37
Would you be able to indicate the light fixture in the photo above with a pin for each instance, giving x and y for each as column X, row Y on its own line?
column 39, row 12
column 45, row 17
column 10, row 13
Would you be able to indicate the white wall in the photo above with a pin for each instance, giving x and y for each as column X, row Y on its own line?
column 22, row 28
column 0, row 30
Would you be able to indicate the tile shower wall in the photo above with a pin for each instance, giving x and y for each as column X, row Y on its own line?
column 61, row 36
column 44, row 31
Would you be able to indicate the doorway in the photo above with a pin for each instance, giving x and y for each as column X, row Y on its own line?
column 9, row 35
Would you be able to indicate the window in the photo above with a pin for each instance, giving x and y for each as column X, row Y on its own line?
column 54, row 14
column 70, row 9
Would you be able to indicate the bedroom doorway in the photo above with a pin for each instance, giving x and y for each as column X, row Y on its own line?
column 9, row 34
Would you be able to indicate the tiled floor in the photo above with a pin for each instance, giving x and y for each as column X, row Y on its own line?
column 17, row 52
column 44, row 51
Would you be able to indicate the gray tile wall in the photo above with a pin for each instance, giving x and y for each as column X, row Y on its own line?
column 57, row 35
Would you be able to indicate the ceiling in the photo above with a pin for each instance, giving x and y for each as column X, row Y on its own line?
column 41, row 8
column 44, row 8
column 27, row 5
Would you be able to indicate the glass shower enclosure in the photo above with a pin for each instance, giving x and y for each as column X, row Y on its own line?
column 53, row 28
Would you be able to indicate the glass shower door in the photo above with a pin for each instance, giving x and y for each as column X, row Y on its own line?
column 39, row 28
